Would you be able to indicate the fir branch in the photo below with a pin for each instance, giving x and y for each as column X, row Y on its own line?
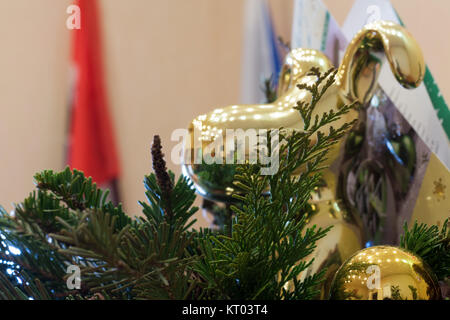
column 69, row 191
column 68, row 221
column 431, row 244
column 268, row 241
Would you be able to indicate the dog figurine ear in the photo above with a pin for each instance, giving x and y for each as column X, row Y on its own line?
column 297, row 64
column 359, row 71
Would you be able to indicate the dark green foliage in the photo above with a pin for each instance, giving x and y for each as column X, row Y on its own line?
column 33, row 289
column 69, row 221
column 215, row 175
column 431, row 244
column 268, row 243
column 222, row 214
column 395, row 295
column 270, row 89
column 79, row 193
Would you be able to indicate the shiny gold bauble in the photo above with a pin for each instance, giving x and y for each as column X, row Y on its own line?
column 384, row 273
column 340, row 243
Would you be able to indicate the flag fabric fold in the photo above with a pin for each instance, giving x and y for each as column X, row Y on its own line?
column 261, row 57
column 91, row 146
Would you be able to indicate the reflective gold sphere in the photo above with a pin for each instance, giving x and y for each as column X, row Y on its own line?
column 384, row 273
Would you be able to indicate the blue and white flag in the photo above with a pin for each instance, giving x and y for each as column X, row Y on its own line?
column 261, row 58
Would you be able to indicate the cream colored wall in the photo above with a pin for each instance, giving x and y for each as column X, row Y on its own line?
column 33, row 86
column 166, row 61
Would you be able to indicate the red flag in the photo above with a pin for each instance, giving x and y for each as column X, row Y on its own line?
column 92, row 148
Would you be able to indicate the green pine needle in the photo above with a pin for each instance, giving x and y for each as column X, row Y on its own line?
column 431, row 244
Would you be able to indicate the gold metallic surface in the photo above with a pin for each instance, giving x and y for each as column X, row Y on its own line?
column 384, row 273
column 433, row 201
column 296, row 64
column 356, row 81
column 361, row 65
column 340, row 243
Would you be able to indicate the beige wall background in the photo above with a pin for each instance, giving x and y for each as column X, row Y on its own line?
column 166, row 62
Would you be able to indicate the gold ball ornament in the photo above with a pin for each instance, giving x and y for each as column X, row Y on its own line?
column 385, row 273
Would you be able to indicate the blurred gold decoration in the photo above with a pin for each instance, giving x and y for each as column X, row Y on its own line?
column 343, row 240
column 439, row 189
column 356, row 82
column 433, row 204
column 384, row 273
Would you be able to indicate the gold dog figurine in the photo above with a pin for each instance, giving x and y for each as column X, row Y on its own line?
column 355, row 82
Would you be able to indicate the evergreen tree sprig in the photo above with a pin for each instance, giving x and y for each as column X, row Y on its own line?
column 431, row 244
column 269, row 239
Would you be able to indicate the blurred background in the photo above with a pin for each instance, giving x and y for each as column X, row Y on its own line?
column 165, row 62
